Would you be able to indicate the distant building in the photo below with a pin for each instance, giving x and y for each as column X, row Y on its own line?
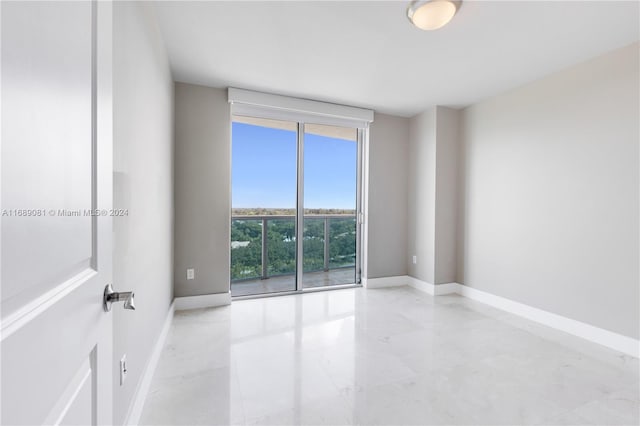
column 237, row 244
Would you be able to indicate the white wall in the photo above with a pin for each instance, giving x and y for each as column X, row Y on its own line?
column 202, row 189
column 550, row 193
column 387, row 218
column 143, row 184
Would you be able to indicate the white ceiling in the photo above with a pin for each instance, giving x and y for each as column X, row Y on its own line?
column 367, row 54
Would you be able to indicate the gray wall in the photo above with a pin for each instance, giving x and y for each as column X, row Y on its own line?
column 202, row 189
column 202, row 192
column 388, row 156
column 446, row 214
column 421, row 195
column 551, row 192
column 432, row 188
column 143, row 184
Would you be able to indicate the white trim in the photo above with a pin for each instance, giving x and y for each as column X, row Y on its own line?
column 400, row 280
column 299, row 213
column 142, row 390
column 446, row 288
column 69, row 395
column 615, row 341
column 298, row 105
column 245, row 110
column 13, row 322
column 607, row 338
column 364, row 208
column 421, row 285
column 397, row 281
column 432, row 289
column 202, row 301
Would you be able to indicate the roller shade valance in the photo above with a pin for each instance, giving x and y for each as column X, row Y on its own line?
column 266, row 105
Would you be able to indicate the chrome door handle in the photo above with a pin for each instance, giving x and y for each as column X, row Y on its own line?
column 111, row 296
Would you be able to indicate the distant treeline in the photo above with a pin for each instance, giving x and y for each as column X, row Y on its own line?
column 260, row 211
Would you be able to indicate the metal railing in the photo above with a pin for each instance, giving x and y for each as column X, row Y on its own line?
column 264, row 220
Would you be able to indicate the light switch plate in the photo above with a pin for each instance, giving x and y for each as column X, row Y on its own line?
column 191, row 273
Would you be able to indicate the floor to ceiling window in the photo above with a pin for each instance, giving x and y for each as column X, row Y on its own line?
column 264, row 200
column 330, row 171
column 295, row 205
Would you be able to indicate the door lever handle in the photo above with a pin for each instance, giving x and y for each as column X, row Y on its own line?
column 111, row 296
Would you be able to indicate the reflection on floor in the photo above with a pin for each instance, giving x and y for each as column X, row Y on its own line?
column 288, row 282
column 385, row 356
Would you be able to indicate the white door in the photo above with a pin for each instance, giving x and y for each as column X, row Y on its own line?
column 56, row 253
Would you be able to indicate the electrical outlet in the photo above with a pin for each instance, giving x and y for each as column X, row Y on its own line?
column 123, row 369
column 191, row 274
column 415, row 259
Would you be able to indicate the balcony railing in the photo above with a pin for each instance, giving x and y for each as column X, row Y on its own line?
column 264, row 246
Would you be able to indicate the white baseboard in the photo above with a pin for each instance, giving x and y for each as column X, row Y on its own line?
column 421, row 285
column 397, row 281
column 432, row 289
column 400, row 280
column 615, row 341
column 179, row 303
column 140, row 395
column 202, row 301
column 594, row 334
column 447, row 288
column 607, row 338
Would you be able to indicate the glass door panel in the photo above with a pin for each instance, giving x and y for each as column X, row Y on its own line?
column 264, row 194
column 330, row 169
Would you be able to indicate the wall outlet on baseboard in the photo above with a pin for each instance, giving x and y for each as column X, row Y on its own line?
column 415, row 259
column 191, row 274
column 123, row 369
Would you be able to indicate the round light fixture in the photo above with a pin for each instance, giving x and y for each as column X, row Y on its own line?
column 432, row 14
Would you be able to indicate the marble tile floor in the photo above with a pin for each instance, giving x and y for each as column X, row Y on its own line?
column 392, row 356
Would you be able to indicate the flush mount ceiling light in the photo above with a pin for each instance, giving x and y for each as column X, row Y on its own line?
column 432, row 14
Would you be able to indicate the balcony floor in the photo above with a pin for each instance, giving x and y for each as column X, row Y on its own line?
column 287, row 282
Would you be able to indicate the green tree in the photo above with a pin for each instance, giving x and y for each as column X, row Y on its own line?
column 246, row 251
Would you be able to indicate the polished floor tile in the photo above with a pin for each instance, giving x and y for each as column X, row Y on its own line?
column 391, row 356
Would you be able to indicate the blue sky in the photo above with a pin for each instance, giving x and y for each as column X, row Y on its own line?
column 263, row 169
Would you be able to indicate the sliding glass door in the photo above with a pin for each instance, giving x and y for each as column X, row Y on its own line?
column 330, row 172
column 263, row 200
column 295, row 204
